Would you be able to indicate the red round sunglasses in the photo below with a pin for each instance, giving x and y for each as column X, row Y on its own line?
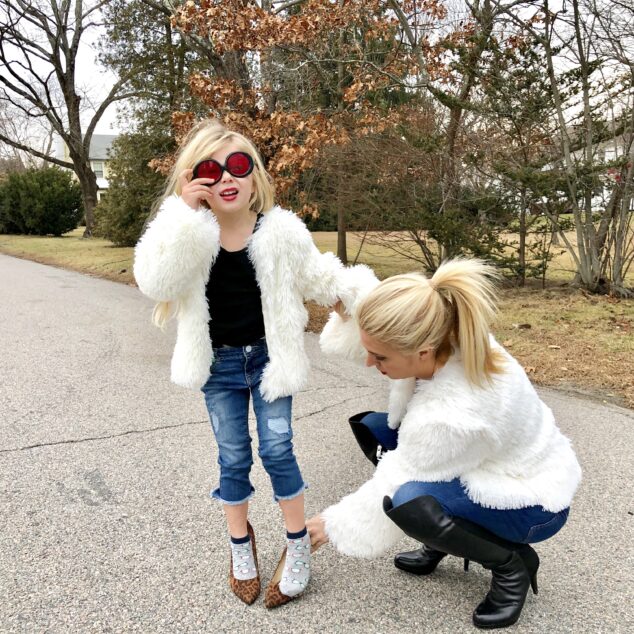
column 238, row 164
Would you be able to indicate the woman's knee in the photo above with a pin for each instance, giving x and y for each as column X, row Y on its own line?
column 415, row 489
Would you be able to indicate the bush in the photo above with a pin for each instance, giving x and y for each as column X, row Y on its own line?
column 132, row 186
column 40, row 202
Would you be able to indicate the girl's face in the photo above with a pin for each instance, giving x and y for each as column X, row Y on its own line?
column 230, row 195
column 396, row 364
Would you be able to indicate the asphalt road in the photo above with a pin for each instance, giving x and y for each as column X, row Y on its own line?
column 105, row 468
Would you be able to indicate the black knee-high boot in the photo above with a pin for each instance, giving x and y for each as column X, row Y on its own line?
column 513, row 566
column 368, row 443
column 419, row 562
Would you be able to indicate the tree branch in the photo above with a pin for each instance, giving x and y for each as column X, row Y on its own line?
column 34, row 152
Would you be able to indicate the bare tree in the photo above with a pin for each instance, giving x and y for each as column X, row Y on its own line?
column 39, row 47
column 570, row 41
column 615, row 34
column 26, row 132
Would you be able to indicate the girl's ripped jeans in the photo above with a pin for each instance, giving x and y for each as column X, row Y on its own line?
column 236, row 373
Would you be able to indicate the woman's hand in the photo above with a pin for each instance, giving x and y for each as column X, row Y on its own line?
column 194, row 191
column 317, row 531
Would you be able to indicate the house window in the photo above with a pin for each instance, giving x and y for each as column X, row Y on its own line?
column 97, row 168
column 610, row 154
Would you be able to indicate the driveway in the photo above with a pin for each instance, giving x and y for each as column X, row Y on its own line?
column 105, row 468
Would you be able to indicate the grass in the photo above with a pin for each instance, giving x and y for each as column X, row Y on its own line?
column 564, row 338
column 71, row 251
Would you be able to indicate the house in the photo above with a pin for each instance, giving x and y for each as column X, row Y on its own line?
column 99, row 157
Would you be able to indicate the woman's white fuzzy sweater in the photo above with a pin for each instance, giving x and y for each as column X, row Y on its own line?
column 501, row 441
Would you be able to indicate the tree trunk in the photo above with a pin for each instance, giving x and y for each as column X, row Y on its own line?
column 521, row 273
column 342, row 252
column 88, row 184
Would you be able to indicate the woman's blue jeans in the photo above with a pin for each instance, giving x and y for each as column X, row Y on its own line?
column 236, row 373
column 524, row 525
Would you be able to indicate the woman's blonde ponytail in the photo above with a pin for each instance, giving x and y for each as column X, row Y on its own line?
column 468, row 285
column 410, row 312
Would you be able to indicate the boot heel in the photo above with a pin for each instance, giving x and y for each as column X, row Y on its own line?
column 534, row 583
column 531, row 561
column 466, row 565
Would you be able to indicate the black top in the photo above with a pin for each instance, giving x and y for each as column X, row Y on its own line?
column 235, row 305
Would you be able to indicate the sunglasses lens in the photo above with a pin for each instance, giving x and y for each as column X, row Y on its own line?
column 208, row 169
column 239, row 164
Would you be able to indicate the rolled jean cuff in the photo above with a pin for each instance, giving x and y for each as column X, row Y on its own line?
column 282, row 498
column 215, row 494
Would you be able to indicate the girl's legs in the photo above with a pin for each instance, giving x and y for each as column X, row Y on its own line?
column 236, row 515
column 276, row 451
column 227, row 400
column 293, row 511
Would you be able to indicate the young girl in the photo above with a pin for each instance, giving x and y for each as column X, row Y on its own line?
column 478, row 469
column 235, row 270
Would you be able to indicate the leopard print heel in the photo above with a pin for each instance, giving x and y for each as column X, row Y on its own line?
column 273, row 597
column 247, row 590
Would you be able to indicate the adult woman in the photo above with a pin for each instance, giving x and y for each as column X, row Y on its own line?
column 478, row 468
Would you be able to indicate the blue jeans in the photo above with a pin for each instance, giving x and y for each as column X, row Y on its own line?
column 235, row 376
column 525, row 525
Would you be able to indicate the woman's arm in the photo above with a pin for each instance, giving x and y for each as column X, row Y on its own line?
column 178, row 246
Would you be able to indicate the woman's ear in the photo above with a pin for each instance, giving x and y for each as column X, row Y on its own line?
column 424, row 352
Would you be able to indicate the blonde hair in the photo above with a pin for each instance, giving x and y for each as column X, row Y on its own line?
column 206, row 138
column 455, row 307
column 203, row 140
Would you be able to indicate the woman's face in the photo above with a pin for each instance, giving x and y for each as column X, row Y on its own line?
column 230, row 194
column 396, row 364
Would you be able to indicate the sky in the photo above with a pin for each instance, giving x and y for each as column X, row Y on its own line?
column 97, row 81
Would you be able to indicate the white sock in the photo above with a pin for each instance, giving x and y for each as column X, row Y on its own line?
column 297, row 566
column 243, row 561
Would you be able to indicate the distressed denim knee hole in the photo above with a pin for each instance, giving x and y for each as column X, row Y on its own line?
column 278, row 425
column 214, row 421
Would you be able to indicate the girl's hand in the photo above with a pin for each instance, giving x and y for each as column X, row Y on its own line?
column 194, row 191
column 317, row 531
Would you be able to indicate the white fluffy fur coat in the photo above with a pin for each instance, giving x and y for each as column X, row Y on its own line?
column 501, row 441
column 172, row 262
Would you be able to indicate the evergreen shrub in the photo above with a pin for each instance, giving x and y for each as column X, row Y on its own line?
column 45, row 201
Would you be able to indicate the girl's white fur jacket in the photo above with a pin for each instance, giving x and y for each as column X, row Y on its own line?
column 501, row 441
column 172, row 262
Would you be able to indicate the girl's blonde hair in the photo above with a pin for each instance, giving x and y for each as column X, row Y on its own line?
column 206, row 138
column 455, row 307
column 203, row 140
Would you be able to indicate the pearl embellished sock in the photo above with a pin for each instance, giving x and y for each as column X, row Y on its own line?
column 243, row 560
column 297, row 565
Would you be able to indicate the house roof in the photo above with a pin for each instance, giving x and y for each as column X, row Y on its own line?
column 100, row 144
